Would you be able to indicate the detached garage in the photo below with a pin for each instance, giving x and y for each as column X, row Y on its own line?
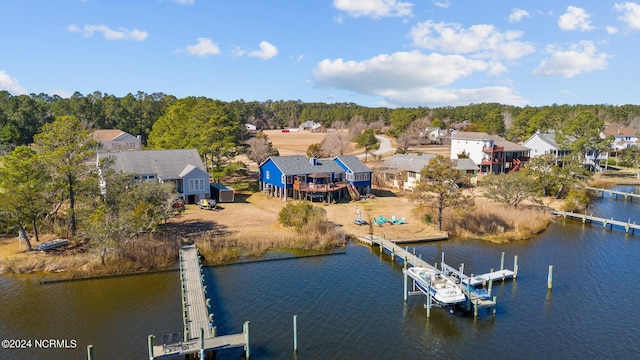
column 222, row 193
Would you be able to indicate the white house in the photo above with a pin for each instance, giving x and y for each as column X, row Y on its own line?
column 116, row 140
column 492, row 153
column 183, row 167
column 623, row 137
column 544, row 143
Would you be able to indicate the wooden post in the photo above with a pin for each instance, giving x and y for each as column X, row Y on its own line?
column 150, row 341
column 201, row 343
column 404, row 273
column 246, row 339
column 469, row 295
column 495, row 304
column 475, row 309
column 515, row 267
column 550, row 278
column 490, row 286
column 428, row 303
column 502, row 262
column 405, row 261
column 393, row 254
column 295, row 334
column 90, row 352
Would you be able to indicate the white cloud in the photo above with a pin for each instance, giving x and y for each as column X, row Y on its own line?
column 412, row 78
column 61, row 93
column 517, row 15
column 442, row 4
column 204, row 47
column 456, row 97
column 575, row 19
column 374, row 8
column 266, row 52
column 631, row 14
column 612, row 30
column 184, row 2
column 481, row 40
column 579, row 58
column 10, row 84
column 109, row 34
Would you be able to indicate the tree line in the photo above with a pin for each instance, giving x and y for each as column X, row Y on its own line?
column 23, row 116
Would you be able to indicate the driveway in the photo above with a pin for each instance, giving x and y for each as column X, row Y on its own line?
column 385, row 145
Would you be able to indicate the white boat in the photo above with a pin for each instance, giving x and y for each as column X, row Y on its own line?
column 442, row 289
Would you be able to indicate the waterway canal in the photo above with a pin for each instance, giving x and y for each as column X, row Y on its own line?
column 351, row 306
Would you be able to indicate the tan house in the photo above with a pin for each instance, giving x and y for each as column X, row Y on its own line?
column 116, row 140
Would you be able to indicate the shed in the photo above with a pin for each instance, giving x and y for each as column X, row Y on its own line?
column 222, row 193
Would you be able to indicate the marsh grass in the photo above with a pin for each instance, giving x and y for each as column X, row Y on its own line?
column 217, row 249
column 497, row 223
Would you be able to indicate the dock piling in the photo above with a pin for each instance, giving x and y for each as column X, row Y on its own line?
column 150, row 341
column 295, row 334
column 246, row 339
column 502, row 262
column 515, row 266
column 90, row 352
column 550, row 278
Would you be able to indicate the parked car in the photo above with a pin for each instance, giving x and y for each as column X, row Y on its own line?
column 208, row 204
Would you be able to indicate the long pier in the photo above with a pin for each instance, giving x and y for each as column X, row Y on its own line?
column 474, row 299
column 612, row 193
column 626, row 225
column 199, row 334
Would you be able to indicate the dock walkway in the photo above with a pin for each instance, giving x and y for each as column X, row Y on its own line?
column 199, row 333
column 612, row 193
column 626, row 225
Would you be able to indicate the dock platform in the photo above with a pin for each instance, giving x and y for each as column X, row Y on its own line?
column 474, row 299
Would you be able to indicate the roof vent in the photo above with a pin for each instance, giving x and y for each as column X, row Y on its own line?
column 313, row 161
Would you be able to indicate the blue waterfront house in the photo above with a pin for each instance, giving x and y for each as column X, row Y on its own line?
column 299, row 177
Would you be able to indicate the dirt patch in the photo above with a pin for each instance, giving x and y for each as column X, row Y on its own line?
column 254, row 216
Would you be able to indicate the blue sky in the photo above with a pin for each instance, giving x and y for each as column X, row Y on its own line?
column 371, row 52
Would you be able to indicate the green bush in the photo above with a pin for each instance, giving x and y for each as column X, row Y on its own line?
column 302, row 215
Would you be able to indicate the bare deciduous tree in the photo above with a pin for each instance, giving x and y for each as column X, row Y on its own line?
column 335, row 144
column 259, row 149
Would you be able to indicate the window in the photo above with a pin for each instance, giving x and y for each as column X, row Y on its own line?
column 358, row 177
column 196, row 184
column 411, row 174
column 267, row 174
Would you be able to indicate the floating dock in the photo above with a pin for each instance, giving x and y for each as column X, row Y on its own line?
column 199, row 334
column 475, row 300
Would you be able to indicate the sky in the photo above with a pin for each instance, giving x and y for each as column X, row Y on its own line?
column 389, row 53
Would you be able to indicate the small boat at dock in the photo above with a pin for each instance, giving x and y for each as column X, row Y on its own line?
column 442, row 289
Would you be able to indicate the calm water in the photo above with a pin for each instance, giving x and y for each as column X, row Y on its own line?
column 351, row 306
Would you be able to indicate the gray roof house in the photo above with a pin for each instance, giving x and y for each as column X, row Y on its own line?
column 300, row 177
column 402, row 171
column 183, row 167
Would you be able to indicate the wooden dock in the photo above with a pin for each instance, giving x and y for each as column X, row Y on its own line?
column 411, row 259
column 626, row 225
column 199, row 333
column 614, row 193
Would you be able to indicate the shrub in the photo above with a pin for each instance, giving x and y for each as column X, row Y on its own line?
column 302, row 215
